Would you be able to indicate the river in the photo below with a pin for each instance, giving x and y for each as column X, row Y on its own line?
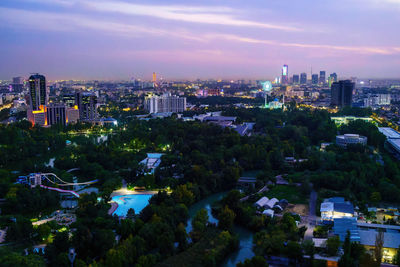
column 245, row 236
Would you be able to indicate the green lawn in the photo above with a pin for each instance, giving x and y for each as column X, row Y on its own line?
column 288, row 192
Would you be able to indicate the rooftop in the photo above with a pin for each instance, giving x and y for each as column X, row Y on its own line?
column 389, row 132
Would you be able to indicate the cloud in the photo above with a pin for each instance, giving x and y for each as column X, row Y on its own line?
column 76, row 23
column 215, row 15
column 353, row 49
column 66, row 22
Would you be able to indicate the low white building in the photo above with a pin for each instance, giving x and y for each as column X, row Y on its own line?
column 350, row 139
column 261, row 202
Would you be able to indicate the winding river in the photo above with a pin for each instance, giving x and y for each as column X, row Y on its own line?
column 245, row 236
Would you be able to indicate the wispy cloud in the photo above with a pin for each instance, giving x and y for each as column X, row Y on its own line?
column 67, row 22
column 215, row 15
column 353, row 49
column 72, row 22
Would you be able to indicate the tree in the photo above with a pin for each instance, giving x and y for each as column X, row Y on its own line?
column 199, row 224
column 332, row 245
column 379, row 239
column 226, row 218
column 376, row 197
column 43, row 231
column 130, row 214
column 182, row 194
column 294, row 251
column 256, row 261
column 309, row 248
column 396, row 259
column 181, row 236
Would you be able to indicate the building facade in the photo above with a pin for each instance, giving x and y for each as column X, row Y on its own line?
column 342, row 93
column 165, row 103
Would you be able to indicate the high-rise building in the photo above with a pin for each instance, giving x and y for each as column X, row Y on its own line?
column 342, row 93
column 165, row 103
column 69, row 100
column 303, row 78
column 37, row 91
column 17, row 84
column 334, row 77
column 154, row 77
column 56, row 114
column 296, row 79
column 314, row 79
column 285, row 74
column 87, row 105
column 322, row 77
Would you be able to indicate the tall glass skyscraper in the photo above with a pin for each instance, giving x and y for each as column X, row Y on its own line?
column 322, row 77
column 285, row 74
column 37, row 91
column 342, row 93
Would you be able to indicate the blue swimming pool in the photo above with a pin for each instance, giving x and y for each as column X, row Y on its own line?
column 125, row 202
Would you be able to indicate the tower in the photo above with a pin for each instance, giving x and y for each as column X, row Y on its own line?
column 285, row 74
column 154, row 77
column 342, row 93
column 37, row 91
column 322, row 77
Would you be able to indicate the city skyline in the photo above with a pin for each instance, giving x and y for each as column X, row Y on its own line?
column 119, row 40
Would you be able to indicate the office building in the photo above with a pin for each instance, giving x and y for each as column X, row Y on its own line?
column 56, row 114
column 377, row 100
column 314, row 79
column 165, row 103
column 37, row 91
column 322, row 77
column 17, row 84
column 296, row 79
column 87, row 105
column 285, row 74
column 334, row 77
column 342, row 93
column 72, row 114
column 303, row 78
column 69, row 100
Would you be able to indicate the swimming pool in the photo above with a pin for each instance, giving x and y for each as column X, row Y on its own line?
column 125, row 202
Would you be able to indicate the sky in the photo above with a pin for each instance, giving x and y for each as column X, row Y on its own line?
column 184, row 39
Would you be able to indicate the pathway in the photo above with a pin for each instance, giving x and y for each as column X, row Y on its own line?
column 312, row 218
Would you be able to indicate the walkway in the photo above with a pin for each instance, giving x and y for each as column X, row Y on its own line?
column 312, row 218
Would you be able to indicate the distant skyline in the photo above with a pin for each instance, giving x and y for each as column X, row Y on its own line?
column 226, row 39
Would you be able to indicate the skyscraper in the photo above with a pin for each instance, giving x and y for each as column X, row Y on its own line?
column 165, row 103
column 87, row 105
column 322, row 77
column 285, row 74
column 154, row 77
column 314, row 79
column 342, row 93
column 17, row 84
column 334, row 77
column 37, row 91
column 303, row 78
column 296, row 79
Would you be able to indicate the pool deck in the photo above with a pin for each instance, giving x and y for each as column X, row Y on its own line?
column 124, row 191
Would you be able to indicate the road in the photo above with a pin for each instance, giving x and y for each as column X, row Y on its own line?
column 312, row 218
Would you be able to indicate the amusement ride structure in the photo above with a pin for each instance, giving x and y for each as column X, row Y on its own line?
column 37, row 179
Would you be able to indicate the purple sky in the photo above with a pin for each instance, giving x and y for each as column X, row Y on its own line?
column 117, row 39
